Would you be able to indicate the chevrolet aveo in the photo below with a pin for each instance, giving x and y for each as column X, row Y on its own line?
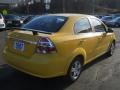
column 58, row 45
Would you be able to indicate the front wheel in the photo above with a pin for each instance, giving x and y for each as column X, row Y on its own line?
column 74, row 70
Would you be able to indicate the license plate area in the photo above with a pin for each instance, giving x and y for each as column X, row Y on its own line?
column 19, row 45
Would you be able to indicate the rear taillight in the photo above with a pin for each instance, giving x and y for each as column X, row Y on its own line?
column 45, row 46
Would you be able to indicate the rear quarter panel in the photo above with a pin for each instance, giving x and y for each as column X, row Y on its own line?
column 67, row 49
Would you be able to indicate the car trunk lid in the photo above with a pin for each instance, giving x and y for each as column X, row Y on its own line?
column 23, row 42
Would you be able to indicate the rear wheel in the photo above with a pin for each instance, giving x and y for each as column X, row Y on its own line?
column 111, row 49
column 74, row 70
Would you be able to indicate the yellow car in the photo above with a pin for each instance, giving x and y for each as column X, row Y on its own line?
column 58, row 45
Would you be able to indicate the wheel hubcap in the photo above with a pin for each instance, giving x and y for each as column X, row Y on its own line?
column 75, row 70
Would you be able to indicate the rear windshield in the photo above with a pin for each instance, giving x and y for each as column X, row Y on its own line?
column 46, row 23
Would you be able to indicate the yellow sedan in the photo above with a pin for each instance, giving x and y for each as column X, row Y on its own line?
column 58, row 45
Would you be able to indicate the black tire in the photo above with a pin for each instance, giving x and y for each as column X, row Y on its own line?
column 111, row 49
column 74, row 70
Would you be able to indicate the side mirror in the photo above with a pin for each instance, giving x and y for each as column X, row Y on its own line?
column 110, row 30
column 35, row 32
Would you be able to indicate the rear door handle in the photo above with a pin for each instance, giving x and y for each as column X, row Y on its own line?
column 83, row 40
column 99, row 37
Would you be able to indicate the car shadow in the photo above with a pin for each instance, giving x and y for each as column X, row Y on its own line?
column 15, row 80
column 1, row 30
column 5, row 29
column 97, row 60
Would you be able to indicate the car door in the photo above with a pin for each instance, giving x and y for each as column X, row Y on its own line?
column 102, row 36
column 86, row 37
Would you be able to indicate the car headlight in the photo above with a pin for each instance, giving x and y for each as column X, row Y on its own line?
column 21, row 21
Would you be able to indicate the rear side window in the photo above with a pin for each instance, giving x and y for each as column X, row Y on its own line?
column 46, row 23
column 82, row 26
column 98, row 26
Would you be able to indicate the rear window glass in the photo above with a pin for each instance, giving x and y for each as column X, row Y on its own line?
column 46, row 23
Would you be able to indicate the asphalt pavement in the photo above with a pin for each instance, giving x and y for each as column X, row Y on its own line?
column 101, row 74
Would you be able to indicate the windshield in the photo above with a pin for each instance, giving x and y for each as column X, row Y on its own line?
column 46, row 23
column 12, row 17
column 116, row 19
column 106, row 18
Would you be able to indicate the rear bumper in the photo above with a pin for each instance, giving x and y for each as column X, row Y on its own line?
column 37, row 65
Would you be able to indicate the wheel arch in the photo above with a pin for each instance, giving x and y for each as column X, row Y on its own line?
column 112, row 41
column 78, row 53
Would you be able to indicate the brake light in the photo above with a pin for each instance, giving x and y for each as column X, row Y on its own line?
column 45, row 46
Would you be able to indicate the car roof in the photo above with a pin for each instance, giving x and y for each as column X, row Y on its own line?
column 70, row 15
